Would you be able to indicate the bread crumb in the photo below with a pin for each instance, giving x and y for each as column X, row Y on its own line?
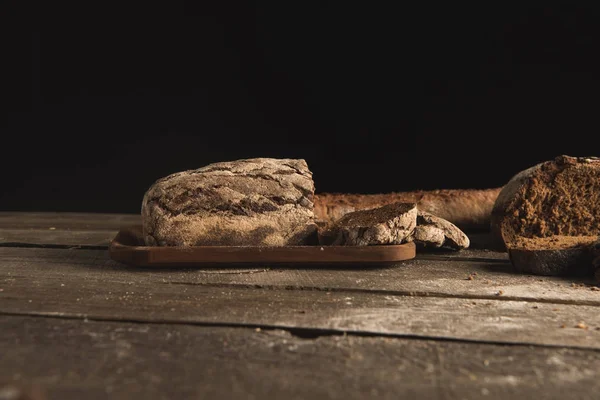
column 257, row 330
column 470, row 278
column 563, row 326
column 581, row 325
column 500, row 293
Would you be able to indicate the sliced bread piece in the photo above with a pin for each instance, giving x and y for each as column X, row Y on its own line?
column 390, row 224
column 436, row 232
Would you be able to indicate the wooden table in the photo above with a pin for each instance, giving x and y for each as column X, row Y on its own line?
column 74, row 324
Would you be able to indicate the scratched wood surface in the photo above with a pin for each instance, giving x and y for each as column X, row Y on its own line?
column 74, row 323
column 478, row 320
column 423, row 277
column 99, row 360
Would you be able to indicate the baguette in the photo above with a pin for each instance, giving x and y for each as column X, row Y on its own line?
column 468, row 209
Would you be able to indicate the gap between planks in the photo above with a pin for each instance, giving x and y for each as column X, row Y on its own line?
column 299, row 332
column 481, row 320
column 120, row 360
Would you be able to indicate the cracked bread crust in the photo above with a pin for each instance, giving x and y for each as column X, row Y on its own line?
column 251, row 202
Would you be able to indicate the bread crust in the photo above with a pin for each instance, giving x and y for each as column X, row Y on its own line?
column 251, row 202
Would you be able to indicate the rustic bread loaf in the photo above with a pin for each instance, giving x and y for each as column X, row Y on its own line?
column 432, row 231
column 467, row 209
column 548, row 216
column 390, row 224
column 252, row 202
column 558, row 197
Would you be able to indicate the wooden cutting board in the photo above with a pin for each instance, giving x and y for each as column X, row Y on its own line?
column 128, row 247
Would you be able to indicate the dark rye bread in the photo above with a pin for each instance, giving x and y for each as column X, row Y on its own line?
column 435, row 232
column 555, row 255
column 558, row 197
column 390, row 224
column 468, row 209
column 548, row 216
column 252, row 202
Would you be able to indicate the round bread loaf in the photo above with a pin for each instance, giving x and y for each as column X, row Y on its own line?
column 547, row 216
column 251, row 202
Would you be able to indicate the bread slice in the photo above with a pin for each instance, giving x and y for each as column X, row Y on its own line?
column 435, row 232
column 468, row 209
column 390, row 224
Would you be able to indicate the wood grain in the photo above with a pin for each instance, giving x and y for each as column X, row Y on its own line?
column 71, row 221
column 420, row 277
column 362, row 313
column 74, row 359
column 55, row 237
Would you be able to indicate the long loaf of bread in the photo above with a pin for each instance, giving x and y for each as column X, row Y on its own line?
column 469, row 209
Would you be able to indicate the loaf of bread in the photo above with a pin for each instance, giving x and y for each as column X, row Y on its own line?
column 253, row 202
column 467, row 209
column 558, row 197
column 548, row 216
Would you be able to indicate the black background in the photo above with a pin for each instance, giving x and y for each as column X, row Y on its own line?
column 101, row 100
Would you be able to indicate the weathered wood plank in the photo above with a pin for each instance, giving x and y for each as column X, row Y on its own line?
column 417, row 277
column 62, row 220
column 427, row 317
column 69, row 359
column 56, row 237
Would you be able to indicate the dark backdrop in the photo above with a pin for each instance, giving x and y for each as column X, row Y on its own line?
column 103, row 100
